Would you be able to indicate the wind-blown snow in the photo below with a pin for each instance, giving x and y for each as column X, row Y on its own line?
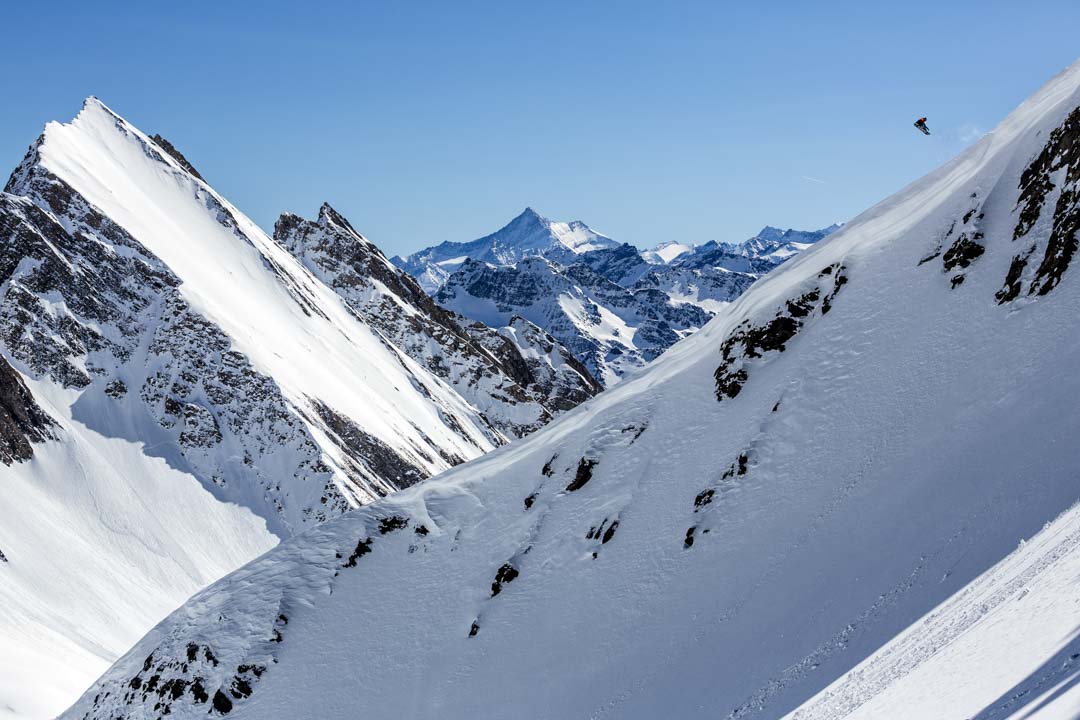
column 678, row 547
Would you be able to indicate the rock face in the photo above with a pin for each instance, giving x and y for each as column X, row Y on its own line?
column 615, row 307
column 837, row 454
column 21, row 420
column 517, row 389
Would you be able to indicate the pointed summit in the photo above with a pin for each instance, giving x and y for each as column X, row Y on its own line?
column 529, row 234
column 527, row 217
column 93, row 105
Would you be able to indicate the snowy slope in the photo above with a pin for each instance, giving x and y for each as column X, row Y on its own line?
column 100, row 541
column 666, row 253
column 1006, row 646
column 527, row 235
column 851, row 442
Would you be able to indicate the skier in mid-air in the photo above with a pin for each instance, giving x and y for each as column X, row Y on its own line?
column 921, row 124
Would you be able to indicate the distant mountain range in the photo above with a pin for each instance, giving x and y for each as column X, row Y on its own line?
column 613, row 306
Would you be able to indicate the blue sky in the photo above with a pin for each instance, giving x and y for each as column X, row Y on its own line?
column 651, row 121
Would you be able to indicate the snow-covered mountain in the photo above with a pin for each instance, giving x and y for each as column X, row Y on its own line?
column 665, row 253
column 207, row 389
column 770, row 243
column 855, row 440
column 527, row 235
column 607, row 327
column 487, row 368
column 563, row 278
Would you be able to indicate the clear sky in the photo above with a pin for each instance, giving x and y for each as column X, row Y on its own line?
column 650, row 121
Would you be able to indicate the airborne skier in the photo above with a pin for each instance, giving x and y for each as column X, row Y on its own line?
column 921, row 124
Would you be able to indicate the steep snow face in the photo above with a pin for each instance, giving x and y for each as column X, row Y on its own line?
column 527, row 235
column 852, row 441
column 99, row 540
column 1005, row 646
column 514, row 395
column 352, row 392
column 666, row 253
column 610, row 329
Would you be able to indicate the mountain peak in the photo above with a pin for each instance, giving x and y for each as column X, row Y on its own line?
column 528, row 216
column 328, row 216
column 93, row 105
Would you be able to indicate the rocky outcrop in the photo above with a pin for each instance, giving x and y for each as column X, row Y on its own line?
column 177, row 156
column 22, row 421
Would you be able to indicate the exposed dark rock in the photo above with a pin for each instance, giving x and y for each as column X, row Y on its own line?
column 688, row 541
column 1061, row 152
column 177, row 156
column 704, row 498
column 504, row 575
column 392, row 523
column 1011, row 289
column 609, row 533
column 240, row 689
column 22, row 421
column 529, row 501
column 546, row 470
column 198, row 692
column 963, row 252
column 221, row 703
column 474, row 629
column 368, row 451
column 363, row 547
column 749, row 341
column 583, row 474
column 116, row 389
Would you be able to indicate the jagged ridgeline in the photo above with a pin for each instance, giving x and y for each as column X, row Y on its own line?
column 849, row 444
